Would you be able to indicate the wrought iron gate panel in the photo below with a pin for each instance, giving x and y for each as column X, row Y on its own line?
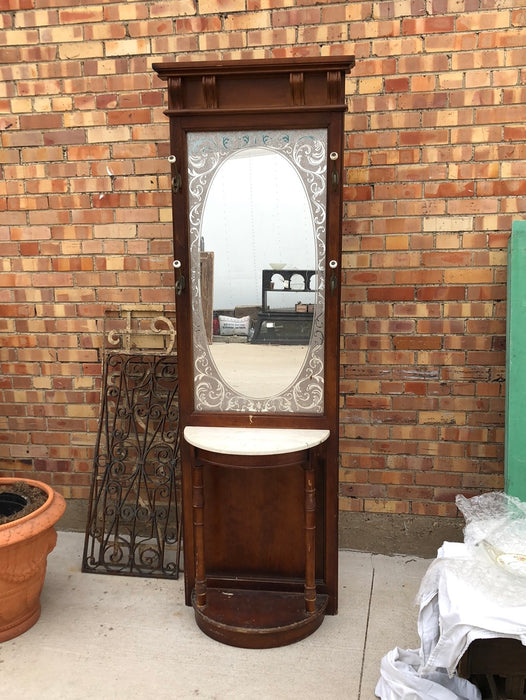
column 134, row 524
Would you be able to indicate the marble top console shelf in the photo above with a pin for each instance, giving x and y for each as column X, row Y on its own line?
column 253, row 441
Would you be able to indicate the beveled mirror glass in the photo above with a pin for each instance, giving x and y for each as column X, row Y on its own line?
column 257, row 217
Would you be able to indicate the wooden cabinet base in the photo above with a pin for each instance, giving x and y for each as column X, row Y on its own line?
column 257, row 619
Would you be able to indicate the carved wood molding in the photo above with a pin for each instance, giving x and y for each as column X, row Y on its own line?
column 210, row 91
column 333, row 87
column 297, row 86
column 175, row 89
column 274, row 86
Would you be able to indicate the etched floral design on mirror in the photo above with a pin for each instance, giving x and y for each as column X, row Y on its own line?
column 256, row 197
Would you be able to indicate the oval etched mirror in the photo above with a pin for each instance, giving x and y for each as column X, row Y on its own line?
column 257, row 246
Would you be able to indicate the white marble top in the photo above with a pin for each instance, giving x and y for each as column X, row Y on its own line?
column 253, row 441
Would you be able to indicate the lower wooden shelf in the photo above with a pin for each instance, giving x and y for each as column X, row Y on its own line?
column 257, row 619
column 497, row 666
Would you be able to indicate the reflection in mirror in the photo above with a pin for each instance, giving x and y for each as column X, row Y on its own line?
column 257, row 209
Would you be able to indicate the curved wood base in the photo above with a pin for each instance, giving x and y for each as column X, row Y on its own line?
column 257, row 619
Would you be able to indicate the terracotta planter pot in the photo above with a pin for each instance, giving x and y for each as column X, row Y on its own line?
column 24, row 546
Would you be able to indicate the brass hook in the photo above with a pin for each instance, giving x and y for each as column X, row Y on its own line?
column 177, row 180
column 180, row 285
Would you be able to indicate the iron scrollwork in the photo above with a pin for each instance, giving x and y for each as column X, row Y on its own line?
column 134, row 525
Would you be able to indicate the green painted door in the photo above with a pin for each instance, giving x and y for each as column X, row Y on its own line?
column 515, row 440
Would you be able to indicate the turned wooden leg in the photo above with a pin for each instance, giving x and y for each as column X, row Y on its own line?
column 199, row 535
column 310, row 538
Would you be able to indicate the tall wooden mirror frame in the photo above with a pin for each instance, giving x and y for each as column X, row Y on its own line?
column 260, row 531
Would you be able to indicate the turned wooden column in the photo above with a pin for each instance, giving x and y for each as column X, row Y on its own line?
column 199, row 537
column 310, row 535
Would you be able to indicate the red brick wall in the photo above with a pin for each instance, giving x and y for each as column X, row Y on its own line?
column 434, row 177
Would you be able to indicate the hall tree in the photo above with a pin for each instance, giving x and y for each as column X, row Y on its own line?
column 259, row 465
